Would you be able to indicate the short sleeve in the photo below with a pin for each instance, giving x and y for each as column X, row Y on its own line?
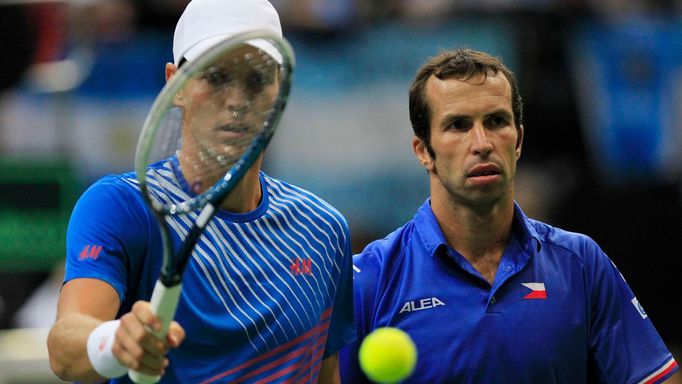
column 624, row 345
column 107, row 230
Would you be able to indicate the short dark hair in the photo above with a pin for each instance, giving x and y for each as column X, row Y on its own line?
column 461, row 64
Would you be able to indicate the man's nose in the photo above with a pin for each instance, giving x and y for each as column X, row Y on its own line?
column 481, row 142
column 237, row 102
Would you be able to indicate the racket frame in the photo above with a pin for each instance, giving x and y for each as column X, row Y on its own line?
column 167, row 290
column 171, row 271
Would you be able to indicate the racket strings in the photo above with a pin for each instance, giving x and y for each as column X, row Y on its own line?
column 214, row 120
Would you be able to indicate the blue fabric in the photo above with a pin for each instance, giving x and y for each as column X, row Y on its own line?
column 582, row 327
column 272, row 286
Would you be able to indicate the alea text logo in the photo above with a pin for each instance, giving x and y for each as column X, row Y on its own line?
column 418, row 305
column 300, row 266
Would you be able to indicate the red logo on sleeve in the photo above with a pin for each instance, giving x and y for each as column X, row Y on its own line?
column 90, row 252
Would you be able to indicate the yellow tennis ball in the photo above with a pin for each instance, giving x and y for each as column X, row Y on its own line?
column 387, row 355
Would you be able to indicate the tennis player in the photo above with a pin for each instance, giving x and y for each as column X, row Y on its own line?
column 488, row 294
column 266, row 298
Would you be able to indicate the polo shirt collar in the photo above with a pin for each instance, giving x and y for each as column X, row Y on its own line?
column 432, row 237
column 428, row 229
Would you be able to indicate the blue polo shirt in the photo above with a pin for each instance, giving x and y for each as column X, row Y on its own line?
column 558, row 310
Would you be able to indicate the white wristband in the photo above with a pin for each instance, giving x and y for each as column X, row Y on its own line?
column 100, row 342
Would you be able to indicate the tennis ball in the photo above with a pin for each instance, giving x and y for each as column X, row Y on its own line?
column 387, row 355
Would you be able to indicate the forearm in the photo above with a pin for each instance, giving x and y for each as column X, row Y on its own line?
column 67, row 348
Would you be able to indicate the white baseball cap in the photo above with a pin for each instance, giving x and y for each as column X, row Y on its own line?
column 205, row 23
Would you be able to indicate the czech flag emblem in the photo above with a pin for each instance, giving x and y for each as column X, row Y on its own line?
column 537, row 290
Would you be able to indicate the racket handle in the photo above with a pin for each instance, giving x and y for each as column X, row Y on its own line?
column 163, row 303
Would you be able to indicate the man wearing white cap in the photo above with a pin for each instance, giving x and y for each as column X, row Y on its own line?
column 236, row 322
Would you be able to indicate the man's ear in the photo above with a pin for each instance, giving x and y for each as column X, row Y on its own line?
column 170, row 70
column 422, row 153
column 519, row 142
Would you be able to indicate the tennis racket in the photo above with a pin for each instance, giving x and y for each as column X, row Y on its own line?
column 204, row 131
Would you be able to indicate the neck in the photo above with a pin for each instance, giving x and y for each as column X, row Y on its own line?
column 244, row 197
column 476, row 232
column 247, row 194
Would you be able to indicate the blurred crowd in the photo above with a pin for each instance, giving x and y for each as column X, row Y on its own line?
column 115, row 19
column 36, row 30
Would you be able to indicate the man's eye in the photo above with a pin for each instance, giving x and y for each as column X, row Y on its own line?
column 459, row 125
column 498, row 121
column 257, row 80
column 217, row 78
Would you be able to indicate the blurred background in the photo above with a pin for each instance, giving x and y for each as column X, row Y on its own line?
column 601, row 81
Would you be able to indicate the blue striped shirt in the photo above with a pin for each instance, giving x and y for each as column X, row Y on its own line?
column 266, row 294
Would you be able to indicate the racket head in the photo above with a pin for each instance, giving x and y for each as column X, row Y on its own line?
column 212, row 120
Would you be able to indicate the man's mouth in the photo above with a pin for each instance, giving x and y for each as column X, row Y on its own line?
column 234, row 128
column 484, row 170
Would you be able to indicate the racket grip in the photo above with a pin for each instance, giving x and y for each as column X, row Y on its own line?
column 163, row 303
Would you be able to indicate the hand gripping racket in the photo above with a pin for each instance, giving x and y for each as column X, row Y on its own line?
column 205, row 129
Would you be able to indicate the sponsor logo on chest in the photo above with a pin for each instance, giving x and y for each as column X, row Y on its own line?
column 421, row 304
column 301, row 266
